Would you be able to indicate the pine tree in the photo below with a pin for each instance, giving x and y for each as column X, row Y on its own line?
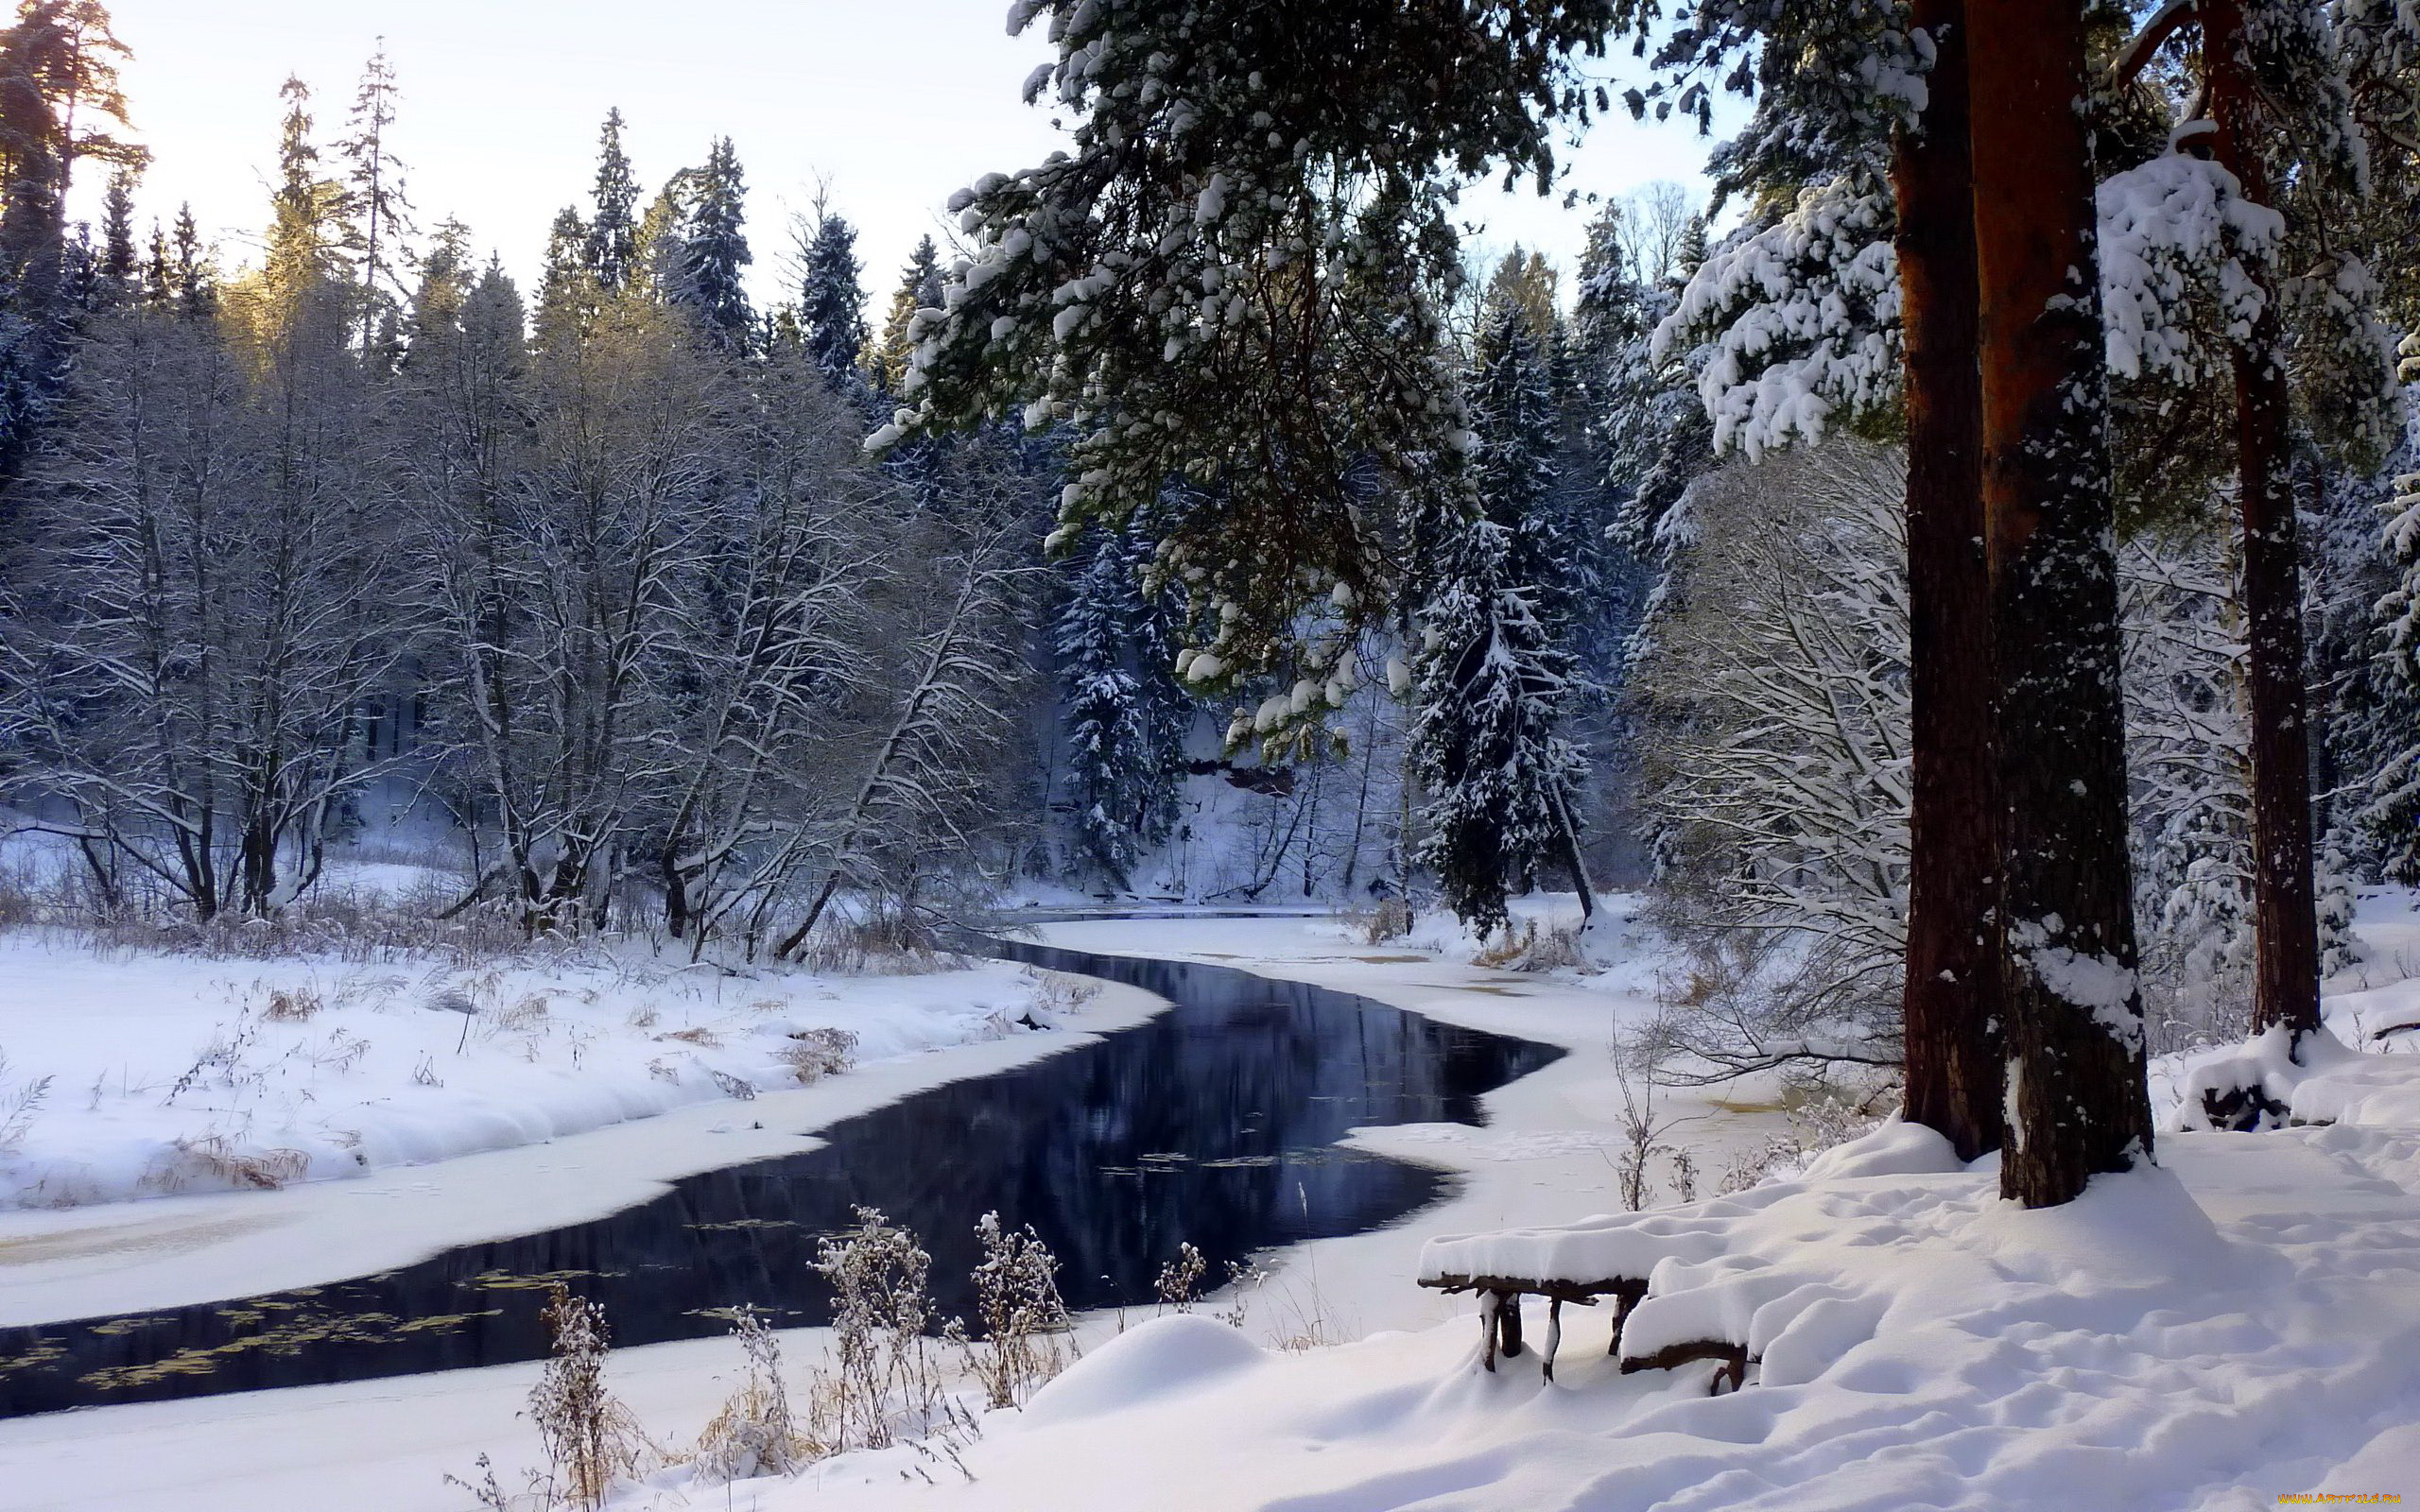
column 1234, row 275
column 612, row 227
column 713, row 250
column 380, row 211
column 2077, row 1096
column 306, row 208
column 446, row 282
column 831, row 302
column 920, row 288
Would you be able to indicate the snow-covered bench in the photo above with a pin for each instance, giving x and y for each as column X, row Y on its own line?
column 1584, row 1264
column 1752, row 1278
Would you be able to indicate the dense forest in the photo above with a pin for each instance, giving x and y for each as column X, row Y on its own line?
column 1211, row 522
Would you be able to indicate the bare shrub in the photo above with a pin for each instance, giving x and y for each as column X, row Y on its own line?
column 1179, row 1277
column 1024, row 1318
column 1056, row 992
column 1638, row 1063
column 815, row 1053
column 590, row 1437
column 345, row 925
column 754, row 1433
column 1530, row 949
column 893, row 939
column 218, row 1062
column 703, row 1038
column 880, row 1307
column 1760, row 1000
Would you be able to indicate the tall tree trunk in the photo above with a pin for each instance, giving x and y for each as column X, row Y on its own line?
column 1574, row 859
column 2284, row 908
column 2074, row 1008
column 1950, row 1001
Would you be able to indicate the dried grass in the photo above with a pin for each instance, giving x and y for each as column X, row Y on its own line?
column 1388, row 918
column 815, row 1053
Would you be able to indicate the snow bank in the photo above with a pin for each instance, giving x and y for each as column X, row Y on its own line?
column 148, row 1074
column 2241, row 1323
column 1163, row 1358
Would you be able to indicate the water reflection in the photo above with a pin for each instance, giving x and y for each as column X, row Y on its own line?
column 1213, row 1122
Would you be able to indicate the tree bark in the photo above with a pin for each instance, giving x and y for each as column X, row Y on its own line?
column 2285, row 907
column 2075, row 1093
column 1950, row 1001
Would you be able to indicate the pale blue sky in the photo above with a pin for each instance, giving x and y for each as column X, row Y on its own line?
column 895, row 104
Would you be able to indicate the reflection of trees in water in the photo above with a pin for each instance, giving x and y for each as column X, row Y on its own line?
column 1239, row 1092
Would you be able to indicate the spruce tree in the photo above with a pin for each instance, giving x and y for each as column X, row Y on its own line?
column 831, row 302
column 713, row 250
column 567, row 290
column 159, row 271
column 1483, row 746
column 659, row 247
column 613, row 228
column 195, row 293
column 1495, row 678
column 2393, row 813
column 1121, row 763
column 120, row 267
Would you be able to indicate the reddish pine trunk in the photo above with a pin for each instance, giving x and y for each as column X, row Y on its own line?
column 2077, row 1096
column 2285, row 911
column 1951, row 1002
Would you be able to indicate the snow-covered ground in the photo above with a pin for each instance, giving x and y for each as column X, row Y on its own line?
column 2240, row 1325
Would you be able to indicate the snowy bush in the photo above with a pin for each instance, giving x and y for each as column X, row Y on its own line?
column 1025, row 1322
column 880, row 1307
column 754, row 1434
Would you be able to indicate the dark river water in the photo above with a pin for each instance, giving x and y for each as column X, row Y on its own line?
column 1214, row 1124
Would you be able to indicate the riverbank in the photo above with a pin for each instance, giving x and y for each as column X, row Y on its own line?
column 544, row 1118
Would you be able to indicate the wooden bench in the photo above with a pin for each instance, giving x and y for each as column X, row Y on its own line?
column 1499, row 1321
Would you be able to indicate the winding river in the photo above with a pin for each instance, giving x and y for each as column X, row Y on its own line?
column 1214, row 1123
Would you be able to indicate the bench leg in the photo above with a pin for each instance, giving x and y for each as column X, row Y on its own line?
column 1508, row 1322
column 1554, row 1332
column 1488, row 1304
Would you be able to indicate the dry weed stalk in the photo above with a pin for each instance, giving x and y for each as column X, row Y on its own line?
column 1024, row 1318
column 590, row 1437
